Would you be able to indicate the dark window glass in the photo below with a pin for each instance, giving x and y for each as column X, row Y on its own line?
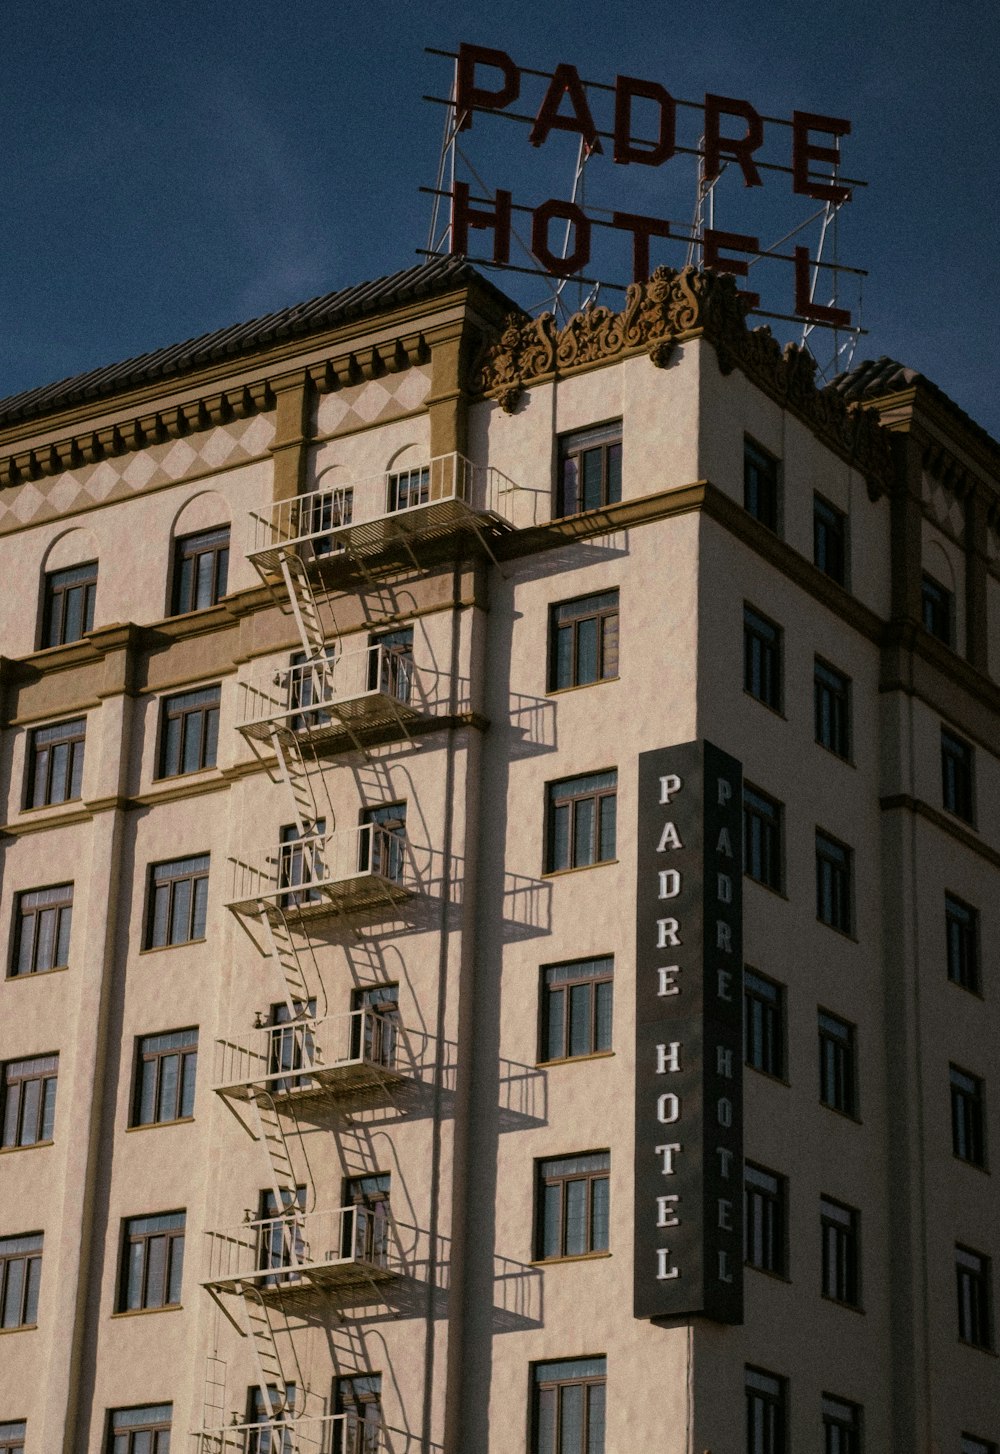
column 762, row 658
column 69, row 604
column 55, row 763
column 590, row 469
column 576, row 1008
column 833, row 883
column 766, row 1412
column 840, row 1260
column 189, row 731
column 166, row 1066
column 962, row 936
column 975, row 1314
column 12, row 1437
column 178, row 901
column 581, row 821
column 390, row 664
column 366, row 1234
column 383, row 848
column 358, row 1399
column 569, row 1409
column 837, row 1064
column 309, row 681
column 409, row 488
column 152, row 1262
column 201, row 570
column 583, row 641
column 937, row 609
column 970, row 1445
column 573, row 1203
column 269, row 1431
column 968, row 1140
column 143, row 1430
column 300, row 863
column 830, row 539
column 324, row 511
column 43, row 918
column 291, row 1044
column 760, row 484
column 762, row 838
column 763, row 1023
column 765, row 1207
column 281, row 1239
column 832, row 702
column 28, row 1111
column 20, row 1277
column 375, row 1027
column 841, row 1426
column 956, row 775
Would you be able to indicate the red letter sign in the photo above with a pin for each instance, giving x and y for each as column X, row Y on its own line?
column 563, row 267
column 463, row 217
column 803, row 153
column 806, row 309
column 626, row 150
column 565, row 82
column 712, row 256
column 468, row 95
column 739, row 148
column 642, row 229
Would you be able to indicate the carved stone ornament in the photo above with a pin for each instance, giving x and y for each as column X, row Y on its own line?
column 658, row 315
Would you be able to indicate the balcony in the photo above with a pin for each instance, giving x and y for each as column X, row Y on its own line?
column 334, row 873
column 340, row 1056
column 332, row 1434
column 384, row 514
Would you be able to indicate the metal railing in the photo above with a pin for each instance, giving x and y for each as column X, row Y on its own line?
column 302, row 1248
column 330, row 1434
column 299, row 1054
column 312, row 694
column 352, row 865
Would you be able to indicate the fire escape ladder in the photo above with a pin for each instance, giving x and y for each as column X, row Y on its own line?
column 214, row 1399
column 270, row 1370
column 297, row 777
column 305, row 607
column 279, row 1158
column 286, row 960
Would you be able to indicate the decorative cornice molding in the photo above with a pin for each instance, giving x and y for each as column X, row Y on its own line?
column 670, row 308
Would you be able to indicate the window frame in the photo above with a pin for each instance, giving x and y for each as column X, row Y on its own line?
column 761, row 485
column 191, row 876
column 835, row 526
column 13, row 1433
column 195, row 546
column 765, row 1220
column 968, row 1117
column 966, row 957
column 185, row 1053
column 958, row 776
column 149, row 1420
column 573, row 445
column 28, row 1291
column 840, row 1252
column 835, row 686
column 563, row 989
column 773, row 1035
column 45, row 1108
column 772, row 852
column 837, row 897
column 46, row 752
column 975, row 1308
column 56, row 589
column 593, row 1177
column 847, row 1055
column 843, row 1425
column 774, row 1398
column 173, row 1239
column 589, row 611
column 208, row 733
column 598, row 796
column 936, row 598
column 542, row 1386
column 19, row 919
column 763, row 659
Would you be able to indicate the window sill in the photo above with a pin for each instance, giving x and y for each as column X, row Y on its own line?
column 775, row 711
column 31, row 1146
column 769, row 1075
column 778, row 893
column 173, row 777
column 146, row 1312
column 973, row 1165
column 23, row 1328
column 766, row 1272
column 42, row 807
column 974, row 990
column 581, row 686
column 583, row 868
column 838, row 1303
column 844, row 1115
column 969, row 823
column 978, row 1347
column 578, row 1257
column 181, row 944
column 577, row 1059
column 846, row 759
column 847, row 934
column 158, row 1125
column 36, row 974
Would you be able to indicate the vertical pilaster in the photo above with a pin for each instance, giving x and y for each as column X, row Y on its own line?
column 293, row 398
column 906, row 529
column 976, row 645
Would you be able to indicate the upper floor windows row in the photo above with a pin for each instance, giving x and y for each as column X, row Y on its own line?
column 762, row 500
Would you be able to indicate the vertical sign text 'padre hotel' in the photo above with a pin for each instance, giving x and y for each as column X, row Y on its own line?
column 689, row 1036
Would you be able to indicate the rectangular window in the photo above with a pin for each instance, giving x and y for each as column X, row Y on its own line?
column 830, row 540
column 590, row 469
column 968, row 1140
column 937, row 609
column 837, row 1065
column 832, row 703
column 308, row 682
column 201, row 570
column 55, row 763
column 762, row 838
column 409, row 488
column 300, row 863
column 281, row 1243
column 975, row 1314
column 369, row 1228
column 165, row 1071
column 189, row 731
column 763, row 1024
column 69, row 604
column 766, row 1412
column 42, row 922
column 383, row 849
column 580, row 830
column 270, row 1431
column 152, row 1262
column 762, row 658
column 760, row 484
column 568, row 1413
column 583, row 641
column 572, row 1201
column 841, row 1426
column 956, row 775
column 29, row 1100
column 374, row 1033
column 962, row 936
column 576, row 1008
column 833, row 883
column 765, row 1203
column 358, row 1398
column 178, row 901
column 390, row 663
column 12, row 1437
column 840, row 1260
column 20, row 1277
column 143, row 1430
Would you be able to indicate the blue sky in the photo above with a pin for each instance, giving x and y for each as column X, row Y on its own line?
column 173, row 167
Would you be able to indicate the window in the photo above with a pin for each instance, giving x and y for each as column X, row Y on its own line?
column 291, row 1044
column 576, row 1008
column 830, row 540
column 152, row 1262
column 975, row 1321
column 833, row 883
column 189, row 731
column 358, row 1399
column 837, row 1064
column 69, row 604
column 390, row 663
column 765, row 1401
column 840, row 1262
column 937, row 609
column 383, row 847
column 140, row 1430
column 300, row 862
column 366, row 1234
column 270, row 1432
column 12, row 1437
column 324, row 511
column 590, row 469
column 281, row 1242
column 760, row 484
column 572, row 1201
column 309, row 681
column 841, row 1426
column 569, row 1406
column 164, row 1077
column 581, row 821
column 375, row 1026
column 765, row 1199
column 832, row 702
column 55, row 763
column 762, row 658
column 178, row 899
column 20, row 1276
column 970, row 1445
column 29, row 1100
column 409, row 488
column 583, row 641
column 962, row 935
column 42, row 920
column 201, row 570
column 762, row 838
column 956, row 775
column 968, row 1141
column 763, row 1024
